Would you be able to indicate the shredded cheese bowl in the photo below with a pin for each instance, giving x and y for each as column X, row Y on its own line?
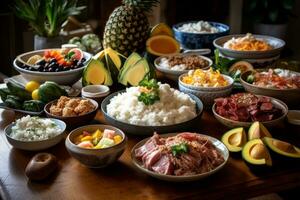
column 207, row 80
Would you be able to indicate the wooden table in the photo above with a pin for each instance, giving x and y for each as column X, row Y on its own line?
column 122, row 181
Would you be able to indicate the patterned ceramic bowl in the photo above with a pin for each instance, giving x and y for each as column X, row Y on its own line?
column 199, row 40
column 95, row 158
column 206, row 94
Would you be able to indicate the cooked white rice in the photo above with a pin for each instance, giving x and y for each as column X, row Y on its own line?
column 34, row 129
column 172, row 108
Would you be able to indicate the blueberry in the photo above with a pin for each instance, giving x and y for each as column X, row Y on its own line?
column 53, row 60
column 41, row 62
column 83, row 59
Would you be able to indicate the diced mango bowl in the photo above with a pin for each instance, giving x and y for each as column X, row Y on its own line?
column 101, row 154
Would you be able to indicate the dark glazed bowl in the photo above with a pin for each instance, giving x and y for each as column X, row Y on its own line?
column 148, row 130
column 199, row 40
column 76, row 120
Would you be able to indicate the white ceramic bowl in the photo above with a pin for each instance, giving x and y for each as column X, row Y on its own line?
column 218, row 144
column 206, row 94
column 174, row 74
column 95, row 158
column 62, row 78
column 272, row 123
column 95, row 92
column 35, row 145
column 276, row 43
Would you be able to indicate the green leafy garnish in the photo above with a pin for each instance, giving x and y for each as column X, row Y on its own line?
column 179, row 149
column 222, row 64
column 69, row 55
column 152, row 94
column 149, row 84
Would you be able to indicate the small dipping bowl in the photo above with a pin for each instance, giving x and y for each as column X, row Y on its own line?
column 95, row 92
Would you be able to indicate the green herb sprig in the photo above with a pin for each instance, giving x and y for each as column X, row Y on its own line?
column 149, row 98
column 179, row 149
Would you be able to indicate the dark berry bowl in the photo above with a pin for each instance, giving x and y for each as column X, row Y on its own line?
column 53, row 72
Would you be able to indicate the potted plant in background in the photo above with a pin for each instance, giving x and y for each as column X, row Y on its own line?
column 46, row 18
column 270, row 16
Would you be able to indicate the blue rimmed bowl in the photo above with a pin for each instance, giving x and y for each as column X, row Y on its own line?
column 199, row 40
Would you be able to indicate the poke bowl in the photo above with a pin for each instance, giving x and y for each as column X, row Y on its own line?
column 199, row 40
column 178, row 67
column 164, row 170
column 42, row 66
column 289, row 95
column 207, row 94
column 273, row 46
column 100, row 155
column 36, row 144
column 192, row 117
column 269, row 111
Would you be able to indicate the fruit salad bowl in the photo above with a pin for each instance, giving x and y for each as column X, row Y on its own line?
column 58, row 73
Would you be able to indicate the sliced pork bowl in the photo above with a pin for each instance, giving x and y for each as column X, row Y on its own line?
column 242, row 109
column 179, row 157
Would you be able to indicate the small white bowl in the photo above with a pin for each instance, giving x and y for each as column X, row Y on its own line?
column 95, row 92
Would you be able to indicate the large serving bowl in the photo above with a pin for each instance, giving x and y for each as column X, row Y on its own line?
column 199, row 40
column 174, row 74
column 276, row 43
column 206, row 94
column 73, row 121
column 95, row 158
column 272, row 123
column 290, row 96
column 149, row 130
column 63, row 78
column 35, row 145
column 218, row 144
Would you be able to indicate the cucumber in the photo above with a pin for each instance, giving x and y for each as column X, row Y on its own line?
column 18, row 90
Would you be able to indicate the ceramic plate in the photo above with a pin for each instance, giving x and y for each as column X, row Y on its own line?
column 218, row 144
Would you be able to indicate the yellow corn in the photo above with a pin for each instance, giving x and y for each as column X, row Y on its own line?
column 97, row 134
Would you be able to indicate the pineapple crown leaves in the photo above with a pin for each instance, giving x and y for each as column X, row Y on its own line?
column 144, row 5
column 47, row 16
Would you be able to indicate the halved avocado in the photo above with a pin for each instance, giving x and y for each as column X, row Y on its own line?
column 95, row 73
column 282, row 148
column 240, row 65
column 256, row 153
column 235, row 139
column 131, row 60
column 257, row 130
column 135, row 73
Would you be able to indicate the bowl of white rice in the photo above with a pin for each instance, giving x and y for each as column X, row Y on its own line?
column 175, row 111
column 199, row 34
column 35, row 133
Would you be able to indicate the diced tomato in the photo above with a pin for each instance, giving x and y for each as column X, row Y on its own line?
column 85, row 133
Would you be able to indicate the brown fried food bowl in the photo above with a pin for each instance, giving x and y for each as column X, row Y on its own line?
column 73, row 121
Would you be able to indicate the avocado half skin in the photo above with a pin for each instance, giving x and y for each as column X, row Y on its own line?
column 278, row 154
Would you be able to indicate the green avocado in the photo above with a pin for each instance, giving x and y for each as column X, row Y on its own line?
column 282, row 148
column 257, row 131
column 135, row 73
column 235, row 139
column 95, row 73
column 256, row 153
column 131, row 60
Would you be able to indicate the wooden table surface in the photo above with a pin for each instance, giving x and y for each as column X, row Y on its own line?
column 122, row 181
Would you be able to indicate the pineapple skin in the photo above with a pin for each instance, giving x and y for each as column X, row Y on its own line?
column 126, row 30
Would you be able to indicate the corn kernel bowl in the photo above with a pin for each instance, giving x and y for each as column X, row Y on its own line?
column 95, row 158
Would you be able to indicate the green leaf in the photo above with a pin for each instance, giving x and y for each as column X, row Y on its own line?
column 179, row 149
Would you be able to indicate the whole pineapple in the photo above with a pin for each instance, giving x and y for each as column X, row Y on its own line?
column 127, row 28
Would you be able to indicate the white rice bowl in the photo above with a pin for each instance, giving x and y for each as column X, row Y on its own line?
column 173, row 107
